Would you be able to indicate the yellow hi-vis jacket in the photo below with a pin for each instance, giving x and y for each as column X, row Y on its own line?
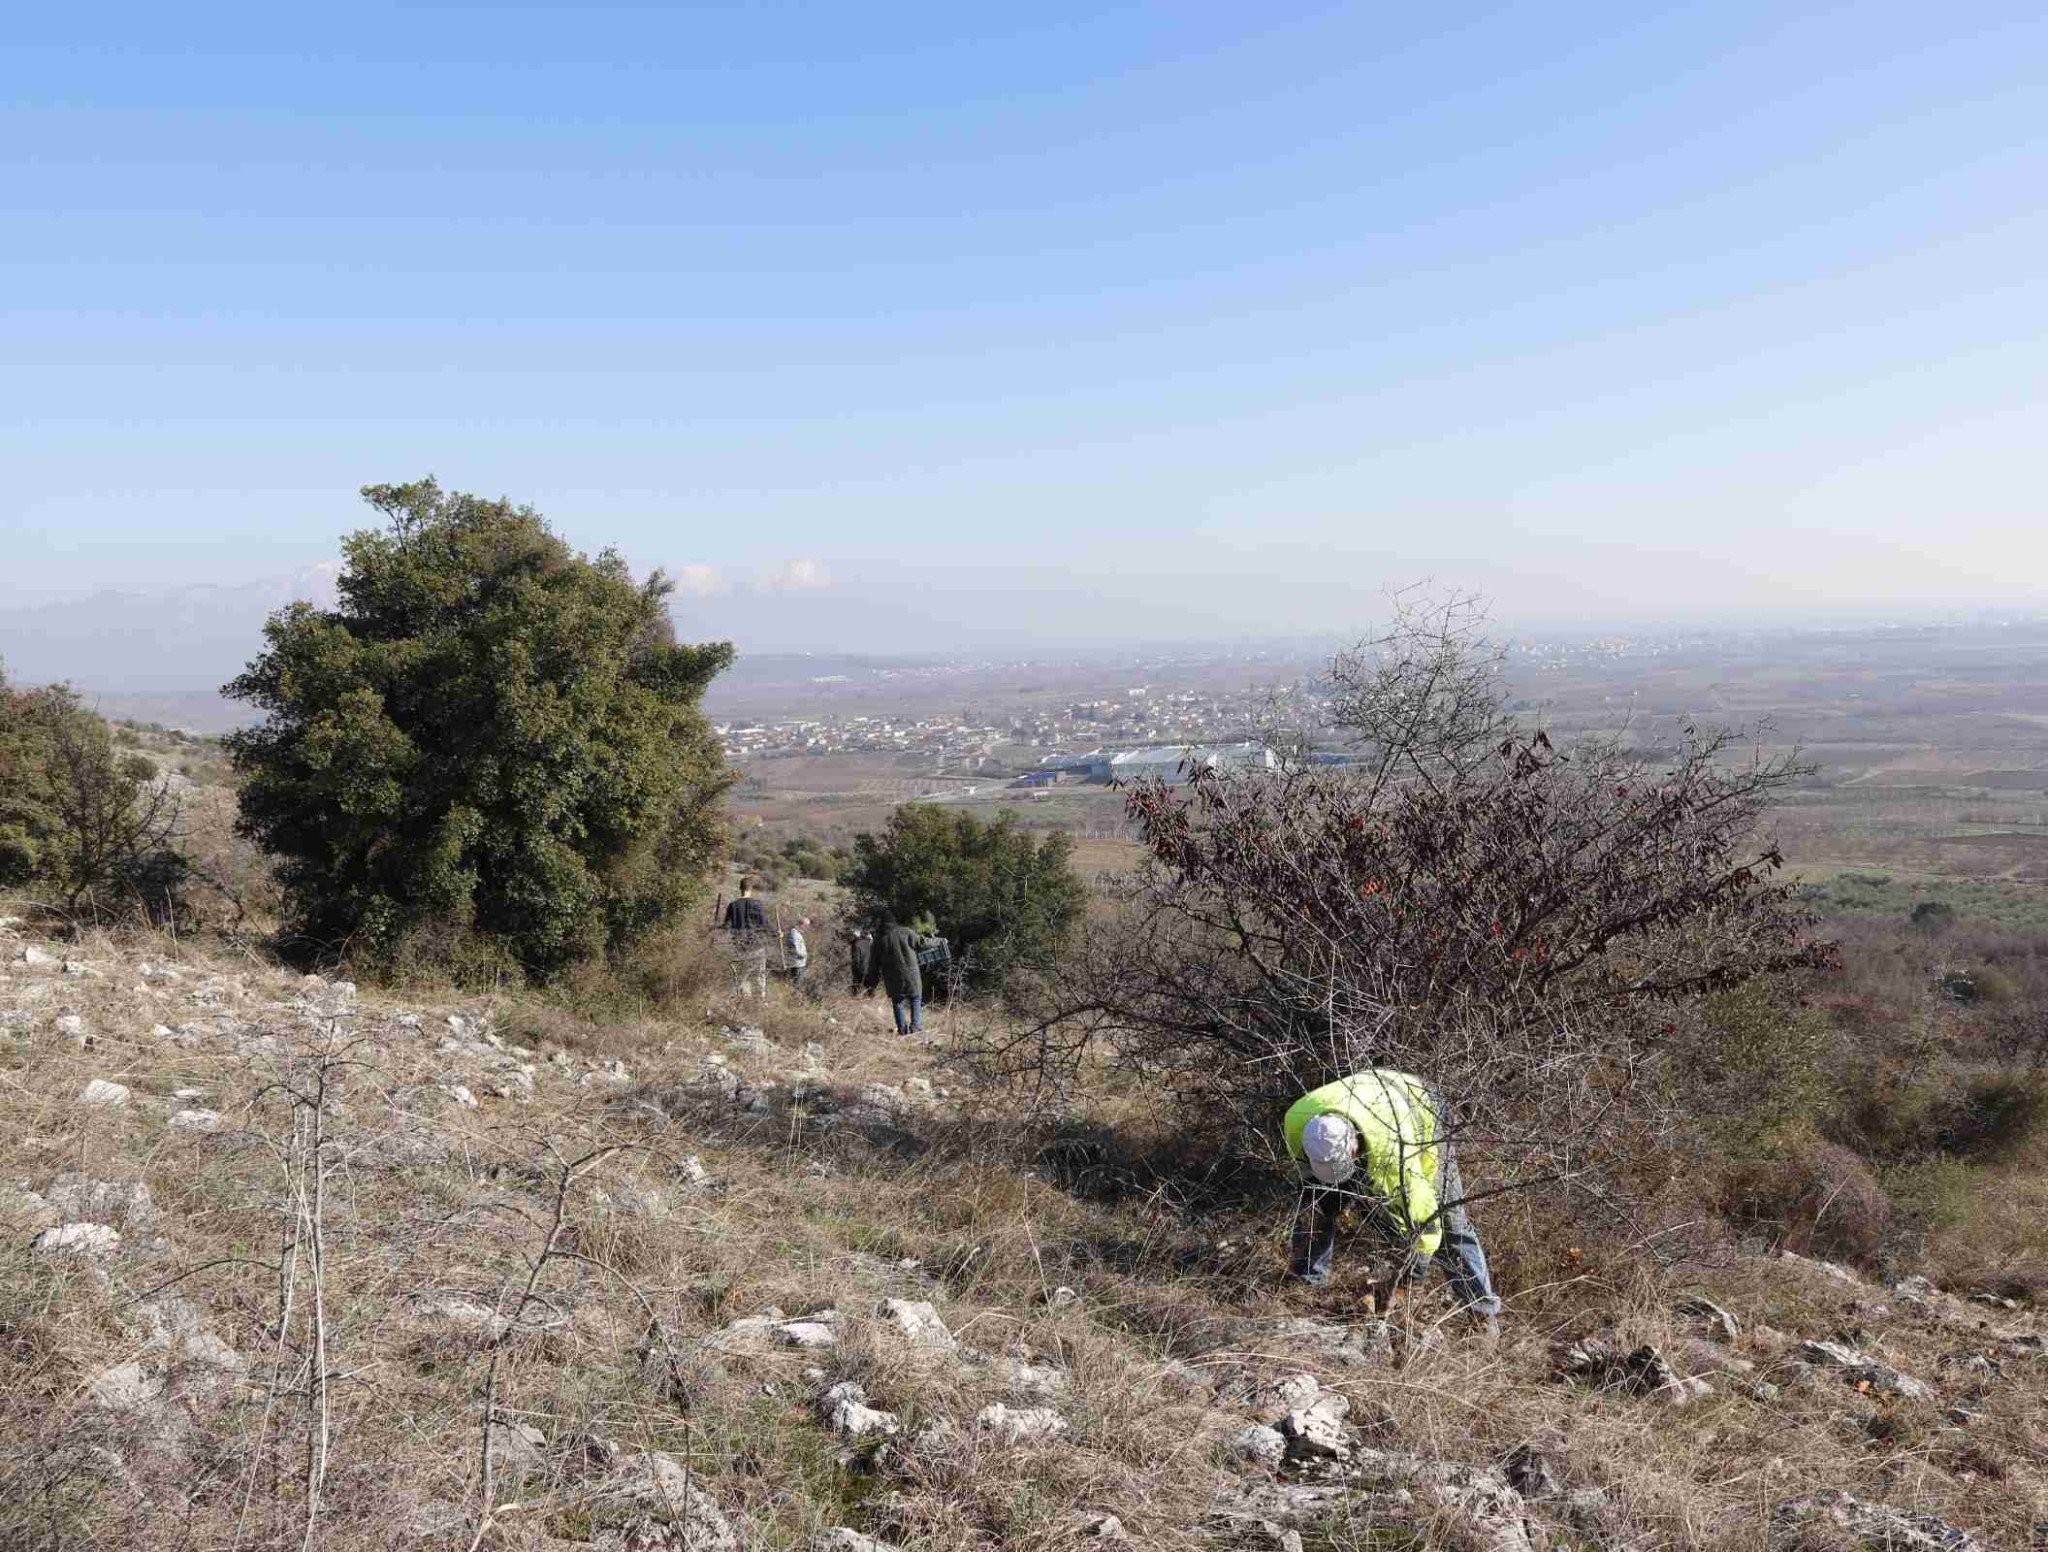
column 1398, row 1153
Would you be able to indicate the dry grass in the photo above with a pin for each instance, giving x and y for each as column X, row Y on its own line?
column 1175, row 1324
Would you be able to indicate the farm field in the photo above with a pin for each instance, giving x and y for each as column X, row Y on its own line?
column 1929, row 747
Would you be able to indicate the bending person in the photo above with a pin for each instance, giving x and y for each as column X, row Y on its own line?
column 1376, row 1139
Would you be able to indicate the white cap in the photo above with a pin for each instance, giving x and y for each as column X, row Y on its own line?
column 1331, row 1145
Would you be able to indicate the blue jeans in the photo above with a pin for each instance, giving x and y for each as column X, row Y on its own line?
column 1460, row 1254
column 909, row 1013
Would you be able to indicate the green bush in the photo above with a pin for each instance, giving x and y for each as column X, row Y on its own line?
column 1934, row 1194
column 1902, row 1110
column 489, row 757
column 1002, row 899
column 88, row 827
column 1750, row 1063
column 774, row 863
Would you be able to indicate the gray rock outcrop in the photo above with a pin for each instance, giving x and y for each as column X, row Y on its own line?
column 1859, row 1368
column 670, row 1511
column 1877, row 1527
column 919, row 1324
column 844, row 1409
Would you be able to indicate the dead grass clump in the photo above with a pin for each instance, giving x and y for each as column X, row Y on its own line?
column 674, row 968
column 2002, row 1246
column 1815, row 1197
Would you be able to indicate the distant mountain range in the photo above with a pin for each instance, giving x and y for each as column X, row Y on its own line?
column 154, row 657
column 163, row 657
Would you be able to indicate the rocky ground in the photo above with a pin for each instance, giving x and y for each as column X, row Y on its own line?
column 286, row 1263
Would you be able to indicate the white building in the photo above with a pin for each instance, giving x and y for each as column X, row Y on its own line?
column 1176, row 762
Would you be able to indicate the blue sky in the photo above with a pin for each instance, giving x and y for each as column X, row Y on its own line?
column 920, row 324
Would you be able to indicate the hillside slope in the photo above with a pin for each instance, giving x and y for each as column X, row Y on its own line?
column 767, row 1283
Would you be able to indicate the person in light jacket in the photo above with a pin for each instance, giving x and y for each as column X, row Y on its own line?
column 796, row 952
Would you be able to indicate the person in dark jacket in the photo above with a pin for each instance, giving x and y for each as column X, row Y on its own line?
column 746, row 933
column 894, row 964
column 860, row 952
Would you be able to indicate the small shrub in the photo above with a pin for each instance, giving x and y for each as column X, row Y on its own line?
column 1890, row 1109
column 676, row 965
column 1004, row 899
column 1933, row 916
column 1998, row 1113
column 1935, row 1194
column 1751, row 1063
column 91, row 828
column 1995, row 987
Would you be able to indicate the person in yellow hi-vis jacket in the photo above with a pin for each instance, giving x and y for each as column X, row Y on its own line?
column 1376, row 1138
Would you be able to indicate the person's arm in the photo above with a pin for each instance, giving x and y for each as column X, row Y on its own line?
column 1420, row 1193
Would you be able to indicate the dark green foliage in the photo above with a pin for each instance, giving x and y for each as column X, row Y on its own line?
column 1934, row 915
column 489, row 756
column 28, row 823
column 1002, row 899
column 86, row 826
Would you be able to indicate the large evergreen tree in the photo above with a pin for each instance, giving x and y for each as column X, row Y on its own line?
column 490, row 753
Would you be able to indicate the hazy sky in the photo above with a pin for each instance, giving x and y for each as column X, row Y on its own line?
column 888, row 324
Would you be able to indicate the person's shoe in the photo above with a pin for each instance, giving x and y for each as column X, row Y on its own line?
column 1485, row 1327
column 1311, row 1279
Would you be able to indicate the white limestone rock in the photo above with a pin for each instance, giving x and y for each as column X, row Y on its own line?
column 127, row 1387
column 919, row 1324
column 1021, row 1425
column 844, row 1410
column 1258, row 1445
column 1878, row 1527
column 840, row 1539
column 79, row 1198
column 79, row 1239
column 1860, row 1368
column 676, row 1513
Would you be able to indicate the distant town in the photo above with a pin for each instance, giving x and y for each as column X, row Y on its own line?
column 1038, row 737
column 1049, row 738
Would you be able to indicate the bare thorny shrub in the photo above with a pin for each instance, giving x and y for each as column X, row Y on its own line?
column 1465, row 900
column 288, row 1456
